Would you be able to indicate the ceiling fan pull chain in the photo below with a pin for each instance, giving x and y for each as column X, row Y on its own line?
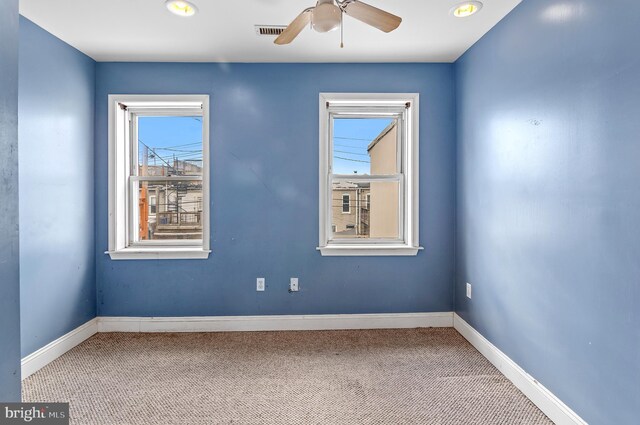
column 342, row 29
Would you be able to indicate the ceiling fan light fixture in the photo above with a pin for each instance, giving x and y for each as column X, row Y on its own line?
column 181, row 7
column 466, row 9
column 325, row 16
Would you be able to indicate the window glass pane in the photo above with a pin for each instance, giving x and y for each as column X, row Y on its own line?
column 365, row 146
column 169, row 210
column 169, row 146
column 372, row 210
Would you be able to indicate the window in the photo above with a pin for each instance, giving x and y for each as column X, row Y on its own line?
column 152, row 205
column 158, row 177
column 346, row 204
column 368, row 174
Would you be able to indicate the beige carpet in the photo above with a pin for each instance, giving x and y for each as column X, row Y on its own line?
column 413, row 376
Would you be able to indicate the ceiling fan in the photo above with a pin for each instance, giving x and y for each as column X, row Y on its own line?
column 327, row 16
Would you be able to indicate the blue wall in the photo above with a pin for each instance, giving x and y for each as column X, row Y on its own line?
column 264, row 152
column 9, row 240
column 547, row 196
column 549, row 199
column 57, row 244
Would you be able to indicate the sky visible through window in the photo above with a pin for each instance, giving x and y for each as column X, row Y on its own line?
column 180, row 138
column 169, row 138
column 351, row 137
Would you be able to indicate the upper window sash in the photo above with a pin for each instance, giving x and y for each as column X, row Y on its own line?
column 133, row 113
column 396, row 110
column 399, row 120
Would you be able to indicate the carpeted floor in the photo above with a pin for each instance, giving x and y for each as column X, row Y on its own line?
column 411, row 376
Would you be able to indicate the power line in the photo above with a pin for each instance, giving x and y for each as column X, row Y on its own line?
column 186, row 144
column 179, row 150
column 186, row 155
column 349, row 146
column 352, row 138
column 354, row 160
column 178, row 157
column 154, row 152
column 353, row 153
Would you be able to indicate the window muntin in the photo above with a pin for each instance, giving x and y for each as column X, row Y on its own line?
column 368, row 150
column 158, row 176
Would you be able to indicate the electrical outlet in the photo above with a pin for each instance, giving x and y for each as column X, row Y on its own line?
column 260, row 285
column 293, row 284
column 468, row 290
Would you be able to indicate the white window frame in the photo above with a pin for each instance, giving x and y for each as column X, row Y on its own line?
column 121, row 179
column 374, row 104
column 348, row 203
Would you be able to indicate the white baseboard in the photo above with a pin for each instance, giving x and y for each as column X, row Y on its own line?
column 275, row 323
column 546, row 401
column 45, row 355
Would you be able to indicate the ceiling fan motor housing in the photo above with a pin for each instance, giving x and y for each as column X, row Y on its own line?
column 326, row 16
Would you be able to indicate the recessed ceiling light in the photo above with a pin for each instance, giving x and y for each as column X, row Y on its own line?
column 181, row 7
column 465, row 9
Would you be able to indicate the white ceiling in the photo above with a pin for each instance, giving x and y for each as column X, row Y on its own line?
column 223, row 31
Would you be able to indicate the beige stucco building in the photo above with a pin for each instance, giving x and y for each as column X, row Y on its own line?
column 383, row 152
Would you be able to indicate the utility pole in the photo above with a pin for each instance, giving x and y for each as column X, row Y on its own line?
column 144, row 199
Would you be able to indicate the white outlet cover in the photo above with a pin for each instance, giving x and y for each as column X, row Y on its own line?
column 260, row 284
column 293, row 284
column 468, row 290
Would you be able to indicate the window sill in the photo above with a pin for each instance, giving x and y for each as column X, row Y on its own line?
column 176, row 253
column 362, row 251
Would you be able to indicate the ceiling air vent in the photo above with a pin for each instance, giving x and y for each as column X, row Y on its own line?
column 270, row 29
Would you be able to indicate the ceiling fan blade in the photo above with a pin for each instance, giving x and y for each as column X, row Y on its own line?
column 373, row 16
column 295, row 27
